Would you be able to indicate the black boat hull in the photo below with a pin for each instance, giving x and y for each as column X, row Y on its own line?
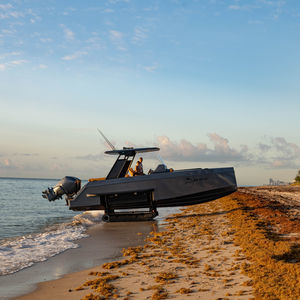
column 179, row 188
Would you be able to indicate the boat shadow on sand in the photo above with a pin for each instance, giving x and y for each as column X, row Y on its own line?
column 217, row 213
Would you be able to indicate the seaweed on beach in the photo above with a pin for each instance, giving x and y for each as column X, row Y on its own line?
column 273, row 265
column 184, row 291
column 132, row 251
column 160, row 293
column 103, row 286
column 256, row 229
column 165, row 277
column 115, row 264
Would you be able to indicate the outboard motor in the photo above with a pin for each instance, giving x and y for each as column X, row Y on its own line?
column 68, row 185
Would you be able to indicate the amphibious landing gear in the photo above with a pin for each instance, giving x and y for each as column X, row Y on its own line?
column 129, row 216
column 113, row 214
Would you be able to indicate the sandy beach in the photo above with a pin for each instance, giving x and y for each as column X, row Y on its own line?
column 119, row 119
column 104, row 243
column 242, row 246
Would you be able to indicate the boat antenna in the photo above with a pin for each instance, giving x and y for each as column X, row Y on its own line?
column 160, row 158
column 106, row 140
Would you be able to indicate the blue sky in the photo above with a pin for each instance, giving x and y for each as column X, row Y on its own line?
column 213, row 83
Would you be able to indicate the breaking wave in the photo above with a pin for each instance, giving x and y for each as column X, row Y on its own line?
column 20, row 252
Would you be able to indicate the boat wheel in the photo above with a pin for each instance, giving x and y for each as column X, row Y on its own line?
column 105, row 218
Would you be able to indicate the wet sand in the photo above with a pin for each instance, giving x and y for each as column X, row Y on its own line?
column 197, row 255
column 104, row 244
column 221, row 249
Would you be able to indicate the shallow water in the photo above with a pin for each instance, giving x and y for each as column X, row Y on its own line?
column 32, row 229
column 23, row 210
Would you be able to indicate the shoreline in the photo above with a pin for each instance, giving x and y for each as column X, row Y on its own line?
column 101, row 245
column 104, row 243
column 211, row 260
column 205, row 252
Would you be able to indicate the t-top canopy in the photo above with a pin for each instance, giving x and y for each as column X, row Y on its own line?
column 131, row 151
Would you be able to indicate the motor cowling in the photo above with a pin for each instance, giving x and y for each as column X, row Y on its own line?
column 68, row 186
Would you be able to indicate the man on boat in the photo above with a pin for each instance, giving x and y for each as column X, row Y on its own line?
column 130, row 173
column 139, row 170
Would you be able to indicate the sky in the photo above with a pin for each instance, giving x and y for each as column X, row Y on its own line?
column 213, row 83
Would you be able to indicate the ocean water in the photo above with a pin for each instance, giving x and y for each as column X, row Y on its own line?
column 32, row 229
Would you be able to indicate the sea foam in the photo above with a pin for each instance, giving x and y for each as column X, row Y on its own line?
column 21, row 252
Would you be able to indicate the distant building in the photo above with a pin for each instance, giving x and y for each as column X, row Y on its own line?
column 277, row 182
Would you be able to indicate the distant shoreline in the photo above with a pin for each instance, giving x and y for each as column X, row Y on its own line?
column 28, row 178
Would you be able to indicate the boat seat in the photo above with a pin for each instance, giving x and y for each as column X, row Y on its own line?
column 97, row 179
column 161, row 169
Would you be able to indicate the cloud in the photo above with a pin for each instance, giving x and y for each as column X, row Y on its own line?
column 186, row 151
column 42, row 66
column 276, row 152
column 139, row 35
column 264, row 147
column 18, row 62
column 275, row 8
column 92, row 157
column 8, row 11
column 12, row 63
column 118, row 1
column 74, row 55
column 244, row 7
column 117, row 38
column 108, row 10
column 26, row 154
column 283, row 164
column 69, row 34
column 6, row 6
column 234, row 7
column 46, row 40
column 224, row 151
column 116, row 35
column 288, row 149
column 11, row 14
column 7, row 164
column 7, row 32
column 69, row 10
column 8, row 54
column 19, row 164
column 151, row 68
column 94, row 42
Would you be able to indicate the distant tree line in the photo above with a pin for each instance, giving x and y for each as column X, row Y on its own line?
column 297, row 178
